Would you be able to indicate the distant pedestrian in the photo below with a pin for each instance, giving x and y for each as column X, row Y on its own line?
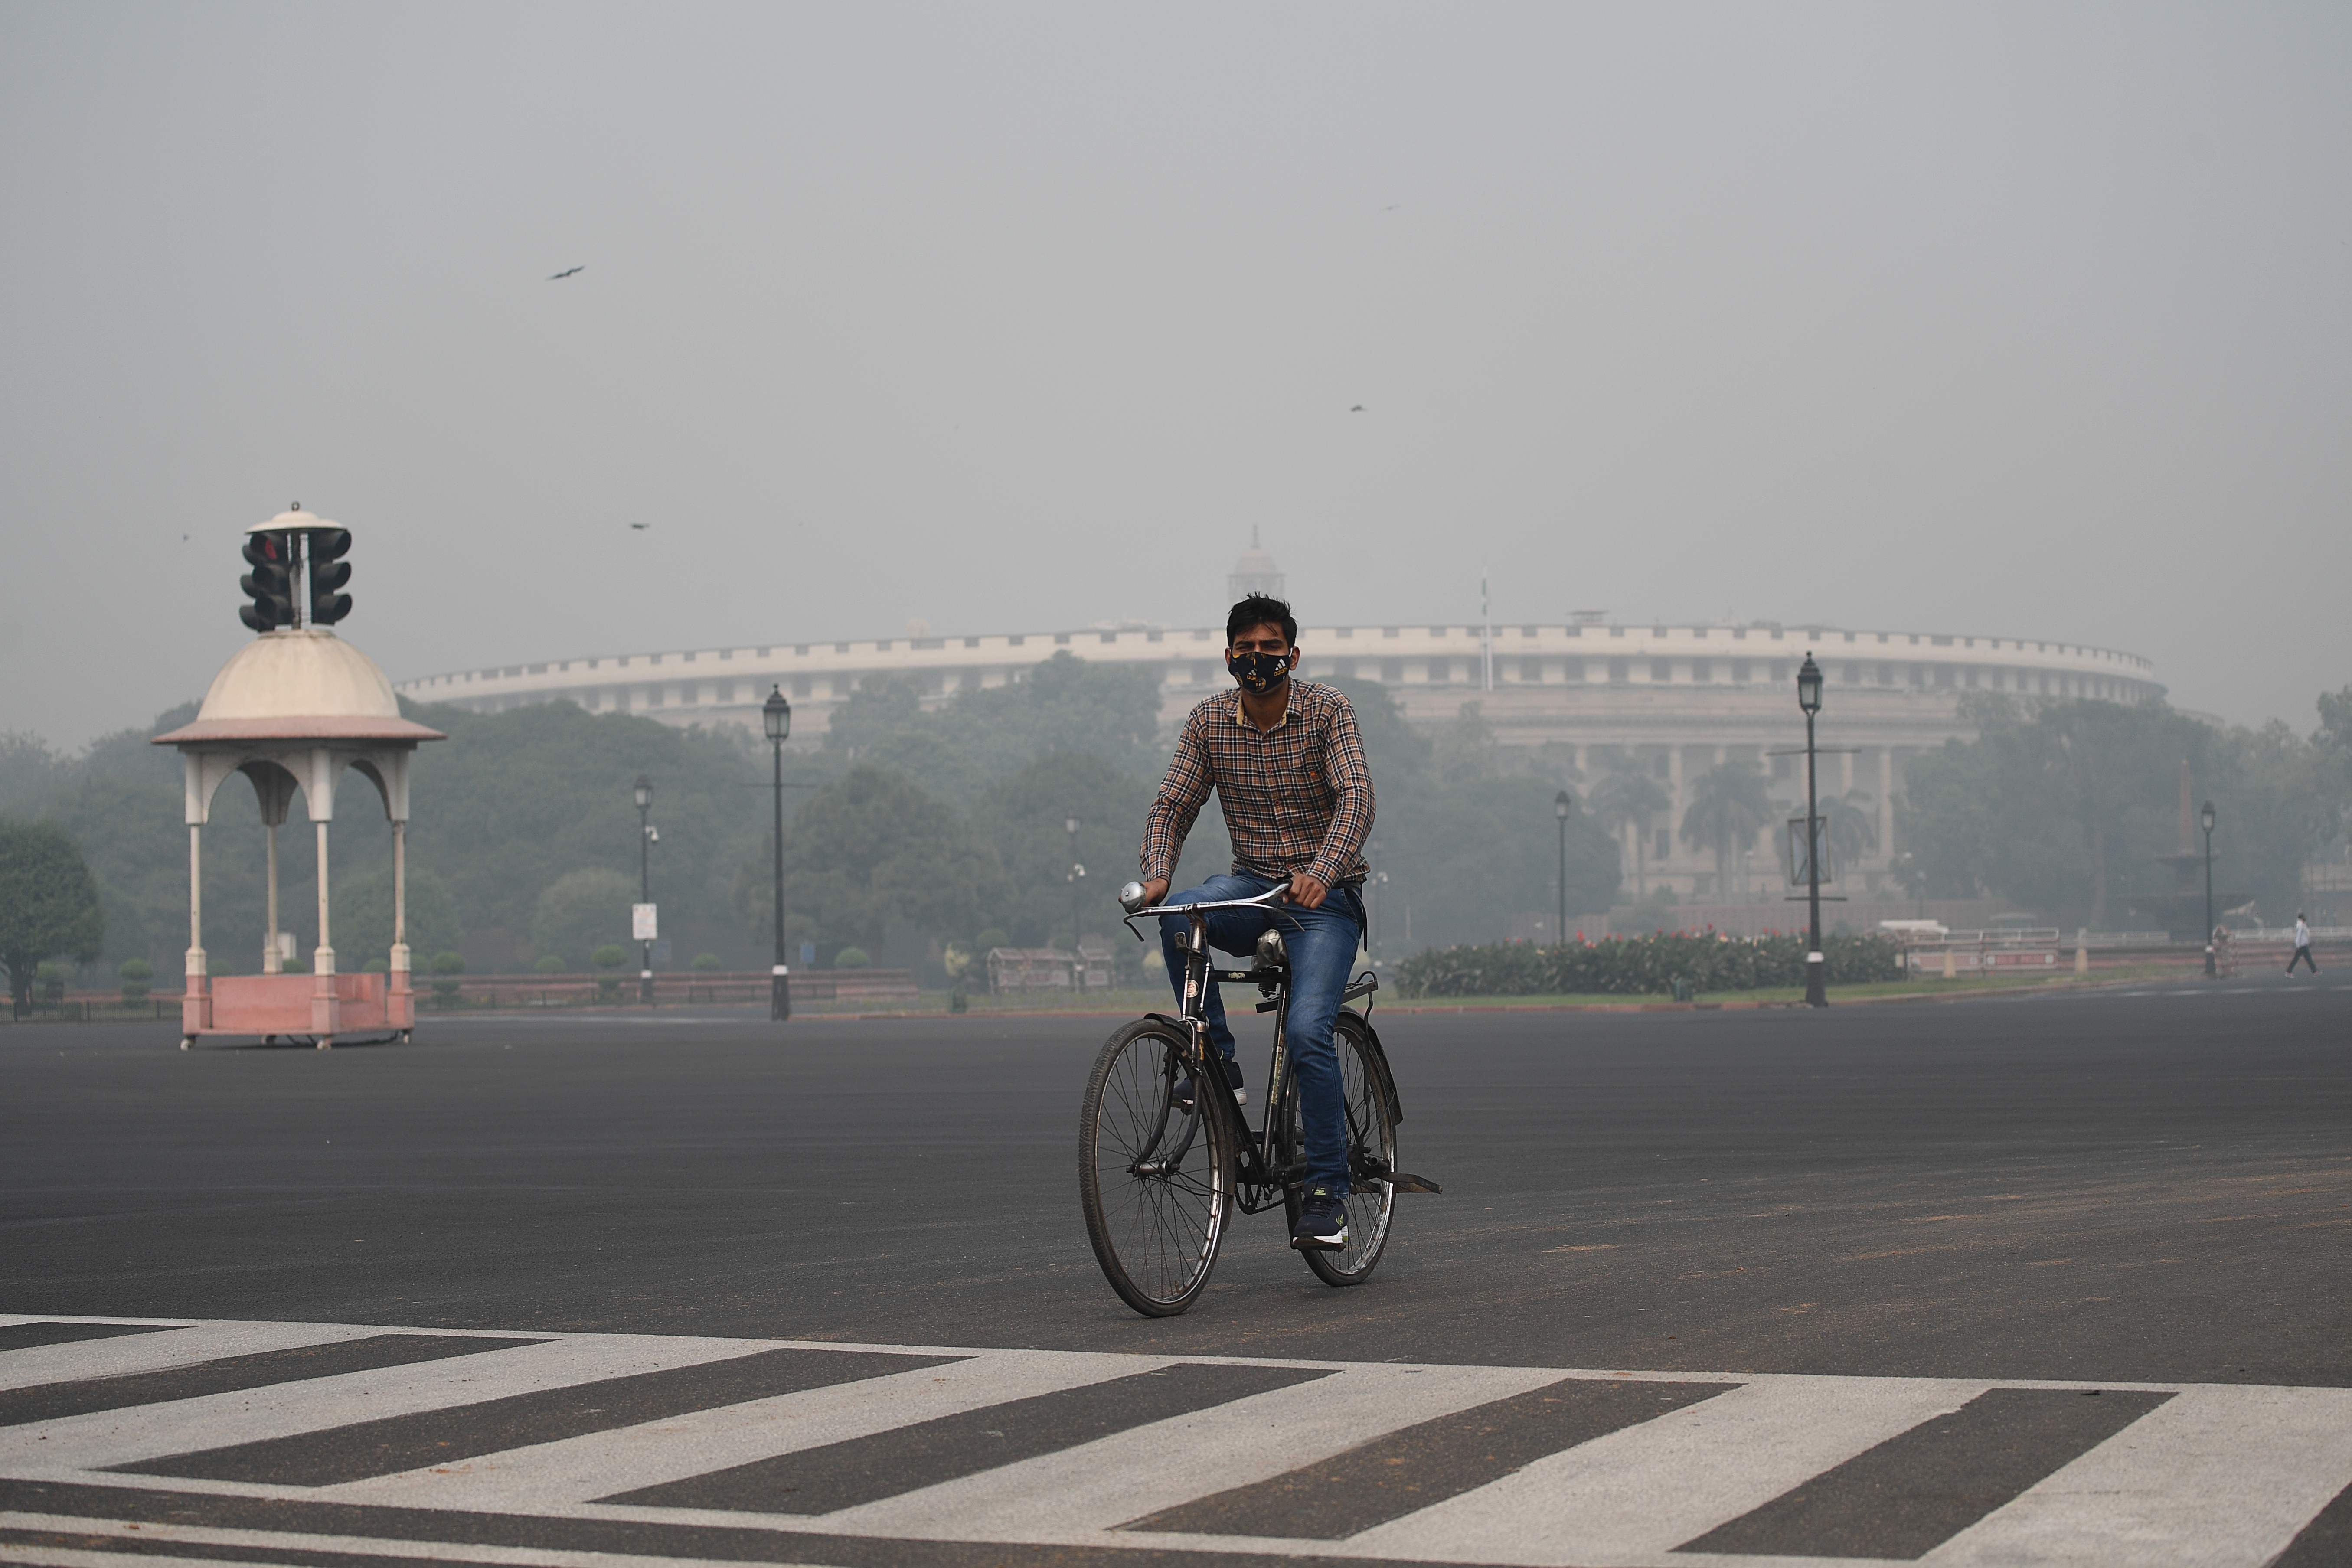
column 2302, row 946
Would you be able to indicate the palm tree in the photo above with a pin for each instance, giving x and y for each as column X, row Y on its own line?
column 1629, row 799
column 1729, row 805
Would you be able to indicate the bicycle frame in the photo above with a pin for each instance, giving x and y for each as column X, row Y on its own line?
column 1259, row 1183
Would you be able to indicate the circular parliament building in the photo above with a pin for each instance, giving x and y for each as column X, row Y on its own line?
column 1675, row 700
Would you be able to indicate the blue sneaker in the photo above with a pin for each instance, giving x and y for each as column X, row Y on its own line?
column 1322, row 1223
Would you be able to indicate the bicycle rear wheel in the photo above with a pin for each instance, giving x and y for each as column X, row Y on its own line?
column 1155, row 1178
column 1371, row 1157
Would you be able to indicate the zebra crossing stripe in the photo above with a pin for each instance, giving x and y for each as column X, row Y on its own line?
column 396, row 1443
column 2246, row 1466
column 859, row 1470
column 1636, row 1494
column 32, row 1335
column 114, row 1440
column 1905, row 1495
column 227, row 1374
column 1405, row 1471
column 1091, row 1492
column 621, row 1449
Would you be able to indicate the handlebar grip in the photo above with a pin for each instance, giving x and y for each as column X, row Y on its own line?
column 1131, row 899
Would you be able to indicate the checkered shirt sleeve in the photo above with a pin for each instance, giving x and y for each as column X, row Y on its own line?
column 1296, row 798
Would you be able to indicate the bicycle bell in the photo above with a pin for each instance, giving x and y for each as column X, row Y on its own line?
column 1271, row 954
column 1131, row 897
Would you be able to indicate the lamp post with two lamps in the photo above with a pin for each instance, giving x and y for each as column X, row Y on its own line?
column 644, row 797
column 2205, row 819
column 776, row 719
column 1808, row 698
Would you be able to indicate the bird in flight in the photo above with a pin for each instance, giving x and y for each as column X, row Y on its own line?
column 567, row 272
column 1359, row 408
column 641, row 527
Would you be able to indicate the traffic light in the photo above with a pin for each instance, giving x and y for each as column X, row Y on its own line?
column 328, row 573
column 271, row 583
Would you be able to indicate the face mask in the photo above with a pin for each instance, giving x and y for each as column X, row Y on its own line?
column 1259, row 672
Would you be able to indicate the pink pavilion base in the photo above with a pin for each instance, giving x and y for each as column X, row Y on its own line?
column 315, row 1004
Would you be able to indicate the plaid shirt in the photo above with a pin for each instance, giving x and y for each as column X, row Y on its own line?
column 1297, row 797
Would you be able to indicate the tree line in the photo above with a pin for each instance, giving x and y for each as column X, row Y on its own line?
column 911, row 830
column 915, row 832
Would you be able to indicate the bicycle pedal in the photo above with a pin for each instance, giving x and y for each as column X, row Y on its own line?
column 1403, row 1184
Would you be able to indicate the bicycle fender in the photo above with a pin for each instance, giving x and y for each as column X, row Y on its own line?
column 1379, row 1054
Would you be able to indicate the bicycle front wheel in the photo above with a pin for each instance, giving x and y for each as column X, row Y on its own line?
column 1155, row 1169
column 1371, row 1157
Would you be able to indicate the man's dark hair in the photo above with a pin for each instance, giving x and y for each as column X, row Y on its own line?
column 1261, row 610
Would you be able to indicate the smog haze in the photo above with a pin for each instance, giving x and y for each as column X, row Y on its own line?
column 2013, row 320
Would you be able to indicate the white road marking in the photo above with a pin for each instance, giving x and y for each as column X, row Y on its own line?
column 108, row 1438
column 1104, row 1484
column 1641, row 1492
column 560, row 1476
column 2218, row 1477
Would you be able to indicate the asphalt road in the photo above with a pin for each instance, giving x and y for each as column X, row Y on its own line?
column 2151, row 1187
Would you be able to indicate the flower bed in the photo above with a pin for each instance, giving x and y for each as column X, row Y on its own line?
column 1642, row 966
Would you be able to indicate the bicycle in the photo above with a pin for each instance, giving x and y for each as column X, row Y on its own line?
column 1165, row 1155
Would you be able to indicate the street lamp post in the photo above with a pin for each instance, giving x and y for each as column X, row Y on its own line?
column 2205, row 818
column 644, row 795
column 1077, row 959
column 1809, row 697
column 776, row 717
column 1561, row 804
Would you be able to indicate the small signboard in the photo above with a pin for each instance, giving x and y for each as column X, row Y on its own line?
column 643, row 926
column 1798, row 861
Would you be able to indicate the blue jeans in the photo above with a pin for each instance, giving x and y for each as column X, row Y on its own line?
column 1322, row 944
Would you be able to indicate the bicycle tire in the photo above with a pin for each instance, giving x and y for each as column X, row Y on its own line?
column 1372, row 1145
column 1156, row 1233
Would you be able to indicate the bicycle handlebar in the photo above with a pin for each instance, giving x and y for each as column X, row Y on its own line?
column 1131, row 897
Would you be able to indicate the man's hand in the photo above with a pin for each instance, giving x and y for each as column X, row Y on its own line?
column 1154, row 890
column 1307, row 891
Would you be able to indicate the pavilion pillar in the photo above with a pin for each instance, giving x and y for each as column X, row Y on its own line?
column 324, row 1009
column 399, row 1010
column 196, row 1004
column 270, row 961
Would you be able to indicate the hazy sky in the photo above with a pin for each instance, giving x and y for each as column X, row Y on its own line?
column 2018, row 320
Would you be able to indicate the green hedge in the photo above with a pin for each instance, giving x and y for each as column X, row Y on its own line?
column 1642, row 966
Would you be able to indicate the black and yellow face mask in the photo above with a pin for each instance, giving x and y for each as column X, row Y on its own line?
column 1259, row 672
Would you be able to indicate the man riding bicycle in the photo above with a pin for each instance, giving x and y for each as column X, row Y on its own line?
column 1288, row 768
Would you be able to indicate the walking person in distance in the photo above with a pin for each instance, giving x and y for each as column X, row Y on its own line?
column 2302, row 946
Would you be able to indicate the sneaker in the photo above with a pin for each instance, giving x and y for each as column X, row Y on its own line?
column 1233, row 1075
column 1322, row 1223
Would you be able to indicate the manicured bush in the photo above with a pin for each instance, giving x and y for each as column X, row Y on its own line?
column 611, row 955
column 851, row 958
column 707, row 963
column 135, row 973
column 446, row 967
column 549, row 963
column 377, row 966
column 1643, row 967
